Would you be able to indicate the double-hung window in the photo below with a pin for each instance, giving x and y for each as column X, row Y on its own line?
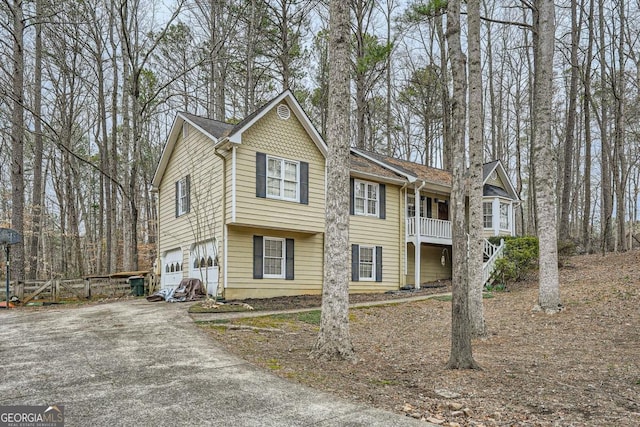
column 274, row 257
column 487, row 214
column 283, row 179
column 504, row 216
column 366, row 198
column 367, row 263
column 182, row 196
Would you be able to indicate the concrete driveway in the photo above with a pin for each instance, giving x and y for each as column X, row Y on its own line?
column 140, row 363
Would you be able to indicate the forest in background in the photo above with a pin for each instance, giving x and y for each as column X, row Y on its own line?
column 89, row 90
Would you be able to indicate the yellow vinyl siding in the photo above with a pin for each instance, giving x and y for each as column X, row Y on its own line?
column 496, row 181
column 486, row 233
column 285, row 139
column 192, row 156
column 308, row 261
column 431, row 268
column 388, row 233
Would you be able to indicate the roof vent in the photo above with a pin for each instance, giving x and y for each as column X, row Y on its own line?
column 283, row 112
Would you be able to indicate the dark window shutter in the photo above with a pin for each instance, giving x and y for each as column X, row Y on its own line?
column 429, row 208
column 289, row 261
column 378, row 263
column 177, row 197
column 355, row 263
column 351, row 196
column 304, row 183
column 261, row 175
column 382, row 200
column 257, row 257
column 187, row 208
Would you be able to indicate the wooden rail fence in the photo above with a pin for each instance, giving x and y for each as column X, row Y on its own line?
column 53, row 290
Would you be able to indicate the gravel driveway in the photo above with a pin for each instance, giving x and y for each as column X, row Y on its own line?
column 141, row 363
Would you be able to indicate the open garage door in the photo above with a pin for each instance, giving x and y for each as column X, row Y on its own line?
column 204, row 265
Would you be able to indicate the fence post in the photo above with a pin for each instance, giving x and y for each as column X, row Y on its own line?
column 87, row 288
column 55, row 289
column 19, row 290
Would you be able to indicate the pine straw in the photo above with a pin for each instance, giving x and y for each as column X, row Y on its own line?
column 580, row 367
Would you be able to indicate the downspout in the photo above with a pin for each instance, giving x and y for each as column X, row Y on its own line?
column 418, row 232
column 402, row 236
column 233, row 183
column 158, row 270
column 224, row 222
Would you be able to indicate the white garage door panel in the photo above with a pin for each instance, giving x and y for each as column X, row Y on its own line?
column 172, row 269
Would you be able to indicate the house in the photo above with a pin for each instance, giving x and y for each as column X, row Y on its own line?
column 242, row 207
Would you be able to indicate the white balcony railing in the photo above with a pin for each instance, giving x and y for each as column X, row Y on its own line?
column 430, row 228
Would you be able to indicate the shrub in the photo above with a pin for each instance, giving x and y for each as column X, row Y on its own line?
column 519, row 260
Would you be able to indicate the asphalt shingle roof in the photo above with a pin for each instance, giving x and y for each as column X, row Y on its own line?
column 422, row 172
column 215, row 128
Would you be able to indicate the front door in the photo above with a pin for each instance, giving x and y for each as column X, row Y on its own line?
column 443, row 211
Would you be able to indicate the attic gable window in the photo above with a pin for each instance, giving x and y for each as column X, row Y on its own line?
column 183, row 190
column 185, row 130
column 283, row 179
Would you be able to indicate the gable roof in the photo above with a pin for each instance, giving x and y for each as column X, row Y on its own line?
column 487, row 170
column 235, row 135
column 363, row 167
column 410, row 170
column 213, row 128
column 221, row 132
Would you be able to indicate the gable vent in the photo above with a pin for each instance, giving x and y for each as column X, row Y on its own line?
column 283, row 112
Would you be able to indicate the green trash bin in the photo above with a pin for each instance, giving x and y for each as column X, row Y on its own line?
column 137, row 286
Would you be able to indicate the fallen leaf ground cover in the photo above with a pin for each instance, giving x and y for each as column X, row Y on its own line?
column 580, row 367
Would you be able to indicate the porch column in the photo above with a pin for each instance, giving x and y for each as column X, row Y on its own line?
column 417, row 236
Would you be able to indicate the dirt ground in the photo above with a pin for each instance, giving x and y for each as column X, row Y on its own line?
column 580, row 367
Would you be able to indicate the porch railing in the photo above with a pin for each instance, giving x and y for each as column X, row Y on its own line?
column 430, row 227
column 490, row 264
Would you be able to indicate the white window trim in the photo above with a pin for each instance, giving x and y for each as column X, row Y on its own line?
column 185, row 130
column 373, row 263
column 182, row 196
column 411, row 200
column 283, row 261
column 484, row 225
column 366, row 198
column 508, row 205
column 282, row 196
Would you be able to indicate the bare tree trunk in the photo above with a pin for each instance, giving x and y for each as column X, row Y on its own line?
column 619, row 157
column 544, row 33
column 112, row 201
column 607, row 199
column 586, row 217
column 17, row 140
column 476, row 146
column 36, row 194
column 334, row 340
column 569, row 142
column 446, row 102
column 461, row 356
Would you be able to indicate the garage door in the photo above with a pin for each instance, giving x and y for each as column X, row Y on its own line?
column 172, row 269
column 204, row 265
